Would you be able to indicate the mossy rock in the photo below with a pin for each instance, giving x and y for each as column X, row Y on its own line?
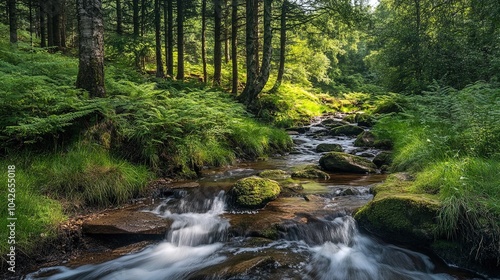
column 274, row 174
column 383, row 158
column 365, row 139
column 311, row 172
column 365, row 120
column 350, row 118
column 324, row 147
column 398, row 215
column 347, row 130
column 254, row 192
column 342, row 162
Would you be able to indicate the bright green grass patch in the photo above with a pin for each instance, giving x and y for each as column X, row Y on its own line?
column 37, row 215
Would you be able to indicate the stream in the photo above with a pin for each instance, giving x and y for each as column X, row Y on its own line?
column 315, row 236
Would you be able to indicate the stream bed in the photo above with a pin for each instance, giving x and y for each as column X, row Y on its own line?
column 306, row 234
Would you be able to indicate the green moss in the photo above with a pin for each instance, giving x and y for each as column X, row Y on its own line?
column 254, row 192
column 325, row 147
column 274, row 174
column 311, row 172
column 399, row 215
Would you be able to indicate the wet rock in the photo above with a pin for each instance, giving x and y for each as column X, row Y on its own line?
column 333, row 123
column 347, row 130
column 366, row 155
column 127, row 221
column 292, row 132
column 322, row 148
column 348, row 192
column 365, row 139
column 274, row 174
column 311, row 172
column 299, row 141
column 302, row 129
column 235, row 266
column 383, row 158
column 342, row 162
column 254, row 192
column 365, row 120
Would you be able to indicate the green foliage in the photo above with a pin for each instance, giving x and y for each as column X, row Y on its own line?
column 37, row 215
column 452, row 139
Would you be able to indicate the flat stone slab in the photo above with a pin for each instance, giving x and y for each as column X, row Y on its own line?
column 127, row 221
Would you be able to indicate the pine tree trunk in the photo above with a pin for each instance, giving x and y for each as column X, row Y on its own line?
column 143, row 17
column 11, row 5
column 135, row 17
column 234, row 45
column 170, row 39
column 226, row 32
column 217, row 42
column 56, row 23
column 203, row 39
column 41, row 24
column 91, row 47
column 159, row 62
column 119, row 17
column 281, row 68
column 180, row 40
column 256, row 32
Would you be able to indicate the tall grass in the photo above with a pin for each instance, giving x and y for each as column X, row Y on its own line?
column 451, row 140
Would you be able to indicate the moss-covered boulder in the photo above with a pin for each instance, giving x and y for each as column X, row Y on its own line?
column 342, row 162
column 368, row 139
column 254, row 192
column 325, row 147
column 347, row 130
column 310, row 172
column 274, row 174
column 365, row 120
column 383, row 158
column 397, row 215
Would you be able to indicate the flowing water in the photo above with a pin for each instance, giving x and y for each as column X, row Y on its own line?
column 317, row 237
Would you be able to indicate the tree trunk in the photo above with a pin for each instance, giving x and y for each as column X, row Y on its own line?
column 63, row 24
column 159, row 62
column 56, row 23
column 50, row 30
column 234, row 41
column 43, row 38
column 256, row 32
column 91, row 48
column 217, row 42
column 226, row 31
column 251, row 63
column 180, row 40
column 256, row 84
column 119, row 17
column 203, row 39
column 143, row 17
column 11, row 5
column 135, row 17
column 281, row 68
column 170, row 39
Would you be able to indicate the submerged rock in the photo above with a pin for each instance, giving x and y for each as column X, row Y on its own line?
column 347, row 130
column 274, row 174
column 311, row 172
column 324, row 147
column 254, row 192
column 342, row 162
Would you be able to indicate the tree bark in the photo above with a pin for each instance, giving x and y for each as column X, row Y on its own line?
column 203, row 39
column 11, row 5
column 56, row 23
column 281, row 68
column 91, row 48
column 143, row 17
column 170, row 39
column 217, row 42
column 256, row 32
column 159, row 62
column 135, row 17
column 43, row 38
column 119, row 17
column 251, row 63
column 180, row 40
column 226, row 31
column 257, row 83
column 234, row 45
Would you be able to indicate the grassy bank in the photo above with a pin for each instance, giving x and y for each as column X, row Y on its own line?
column 450, row 140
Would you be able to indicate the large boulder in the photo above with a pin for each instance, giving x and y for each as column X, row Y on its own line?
column 254, row 192
column 324, row 147
column 342, row 162
column 347, row 130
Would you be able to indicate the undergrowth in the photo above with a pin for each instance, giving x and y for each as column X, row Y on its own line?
column 451, row 140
